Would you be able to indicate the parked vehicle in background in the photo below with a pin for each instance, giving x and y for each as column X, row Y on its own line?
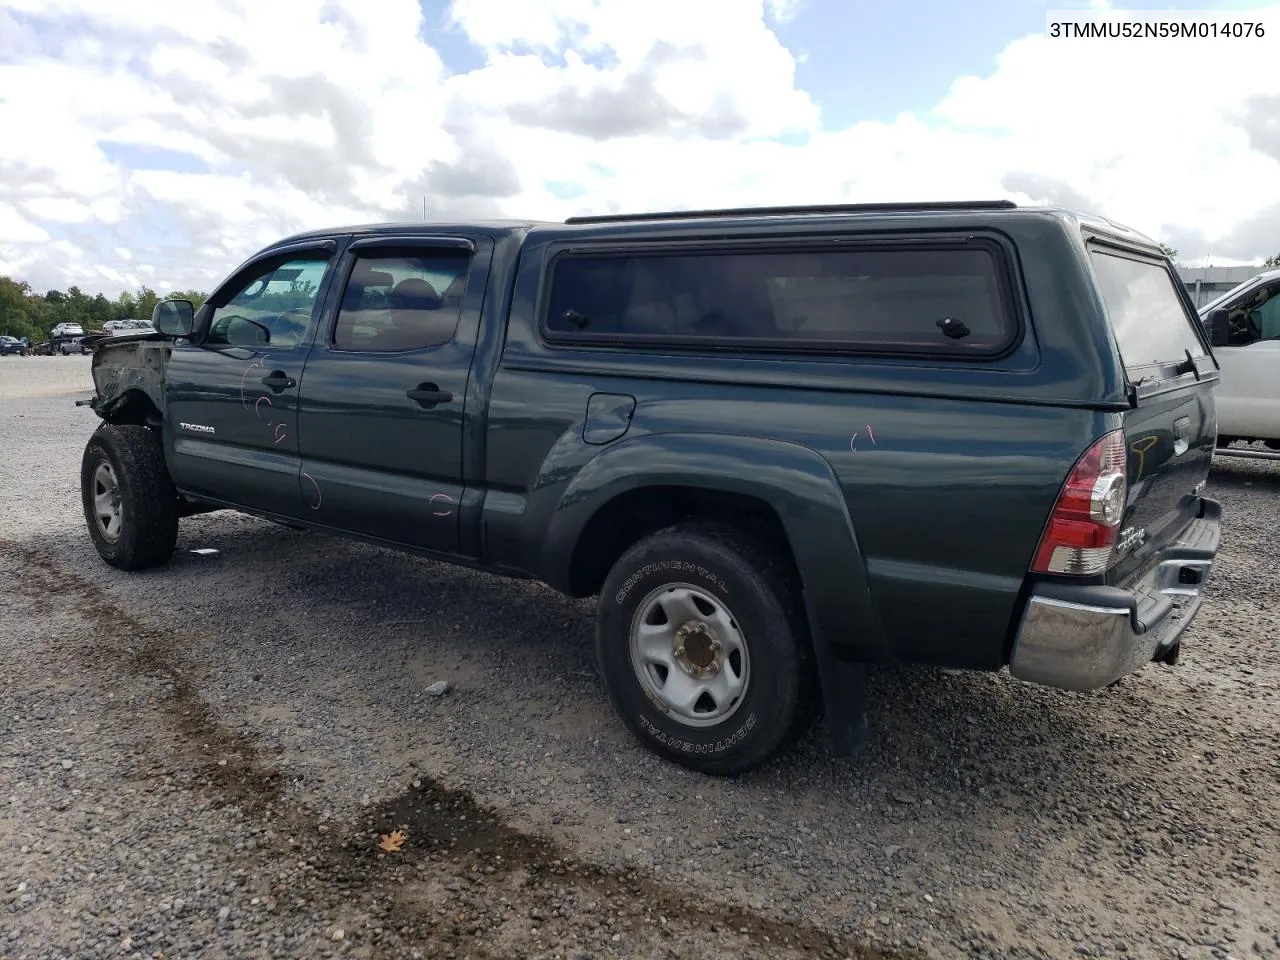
column 64, row 343
column 1244, row 328
column 64, row 330
column 119, row 327
column 12, row 345
column 777, row 444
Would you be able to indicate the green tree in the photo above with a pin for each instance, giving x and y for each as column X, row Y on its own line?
column 20, row 310
column 24, row 313
column 125, row 305
column 195, row 296
column 145, row 305
column 1272, row 261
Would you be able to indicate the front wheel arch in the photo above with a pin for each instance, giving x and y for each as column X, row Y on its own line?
column 134, row 406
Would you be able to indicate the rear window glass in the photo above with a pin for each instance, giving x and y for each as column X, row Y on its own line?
column 946, row 300
column 1147, row 315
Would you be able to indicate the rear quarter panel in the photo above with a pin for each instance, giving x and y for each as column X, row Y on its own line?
column 947, row 471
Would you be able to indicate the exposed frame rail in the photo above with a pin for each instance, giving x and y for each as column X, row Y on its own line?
column 1246, row 454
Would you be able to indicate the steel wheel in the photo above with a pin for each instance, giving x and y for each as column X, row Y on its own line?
column 107, row 511
column 689, row 655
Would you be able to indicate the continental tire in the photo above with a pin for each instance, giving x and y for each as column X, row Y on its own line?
column 701, row 644
column 130, row 505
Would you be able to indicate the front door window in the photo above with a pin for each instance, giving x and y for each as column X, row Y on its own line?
column 273, row 309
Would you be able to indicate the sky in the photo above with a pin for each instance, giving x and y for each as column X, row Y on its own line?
column 162, row 142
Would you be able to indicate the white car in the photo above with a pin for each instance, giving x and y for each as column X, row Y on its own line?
column 1244, row 328
column 67, row 330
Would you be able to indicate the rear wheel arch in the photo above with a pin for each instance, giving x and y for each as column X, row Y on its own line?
column 790, row 498
column 639, row 512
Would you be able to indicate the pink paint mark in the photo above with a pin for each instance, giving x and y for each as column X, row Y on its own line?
column 244, row 401
column 319, row 495
column 437, row 497
column 257, row 402
column 853, row 441
column 280, row 436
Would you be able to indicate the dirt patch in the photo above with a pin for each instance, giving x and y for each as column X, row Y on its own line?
column 464, row 883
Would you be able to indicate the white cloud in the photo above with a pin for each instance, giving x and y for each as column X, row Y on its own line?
column 782, row 11
column 303, row 113
column 17, row 229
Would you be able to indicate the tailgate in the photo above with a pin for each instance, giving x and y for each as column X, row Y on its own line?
column 1171, row 432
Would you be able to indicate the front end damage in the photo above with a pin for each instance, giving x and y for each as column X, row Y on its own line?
column 128, row 377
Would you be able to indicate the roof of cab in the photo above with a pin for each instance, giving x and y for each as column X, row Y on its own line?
column 411, row 228
column 737, row 217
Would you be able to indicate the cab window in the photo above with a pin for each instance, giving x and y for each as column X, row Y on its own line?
column 395, row 302
column 273, row 308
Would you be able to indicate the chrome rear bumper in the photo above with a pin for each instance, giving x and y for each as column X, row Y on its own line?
column 1085, row 637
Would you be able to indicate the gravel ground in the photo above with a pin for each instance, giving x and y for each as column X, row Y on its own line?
column 202, row 761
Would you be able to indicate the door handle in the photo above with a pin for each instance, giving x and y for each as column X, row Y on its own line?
column 278, row 380
column 428, row 394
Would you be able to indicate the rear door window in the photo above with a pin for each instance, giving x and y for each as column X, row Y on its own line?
column 402, row 301
column 1150, row 323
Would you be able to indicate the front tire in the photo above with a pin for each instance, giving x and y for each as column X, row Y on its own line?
column 130, row 504
column 702, row 647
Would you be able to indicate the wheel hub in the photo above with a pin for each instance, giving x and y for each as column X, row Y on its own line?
column 107, row 502
column 689, row 655
column 698, row 650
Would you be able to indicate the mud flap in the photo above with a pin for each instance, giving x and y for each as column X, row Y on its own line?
column 844, row 692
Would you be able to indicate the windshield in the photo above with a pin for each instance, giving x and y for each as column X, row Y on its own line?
column 1147, row 315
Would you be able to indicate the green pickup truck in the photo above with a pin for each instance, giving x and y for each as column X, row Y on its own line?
column 778, row 444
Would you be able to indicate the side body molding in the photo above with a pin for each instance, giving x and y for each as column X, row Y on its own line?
column 798, row 483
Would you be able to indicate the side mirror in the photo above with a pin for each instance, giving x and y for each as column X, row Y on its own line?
column 1219, row 324
column 174, row 318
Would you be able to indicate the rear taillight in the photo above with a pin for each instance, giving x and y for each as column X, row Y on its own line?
column 1081, row 533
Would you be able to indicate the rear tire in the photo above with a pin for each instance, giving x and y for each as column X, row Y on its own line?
column 130, row 504
column 724, row 695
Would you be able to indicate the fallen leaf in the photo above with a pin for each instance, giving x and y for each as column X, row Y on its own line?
column 393, row 841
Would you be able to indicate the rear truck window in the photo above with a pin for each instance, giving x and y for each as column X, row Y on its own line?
column 933, row 299
column 1151, row 325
